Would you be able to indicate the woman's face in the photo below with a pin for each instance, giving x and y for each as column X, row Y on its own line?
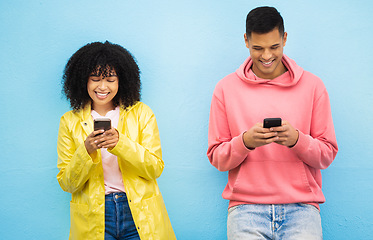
column 102, row 89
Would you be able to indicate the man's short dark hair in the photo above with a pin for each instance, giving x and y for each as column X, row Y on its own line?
column 264, row 20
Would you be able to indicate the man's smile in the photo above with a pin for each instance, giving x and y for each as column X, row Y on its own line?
column 267, row 63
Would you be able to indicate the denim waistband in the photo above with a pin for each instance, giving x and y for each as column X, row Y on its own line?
column 116, row 197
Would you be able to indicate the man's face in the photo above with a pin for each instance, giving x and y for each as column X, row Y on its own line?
column 266, row 50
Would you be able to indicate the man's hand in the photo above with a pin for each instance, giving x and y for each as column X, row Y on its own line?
column 287, row 134
column 258, row 136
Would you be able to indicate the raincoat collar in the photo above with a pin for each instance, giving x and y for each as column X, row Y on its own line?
column 86, row 119
column 85, row 113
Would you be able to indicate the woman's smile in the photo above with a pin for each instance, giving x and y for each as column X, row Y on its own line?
column 102, row 90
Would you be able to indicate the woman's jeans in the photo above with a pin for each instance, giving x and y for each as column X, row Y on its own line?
column 119, row 224
column 283, row 221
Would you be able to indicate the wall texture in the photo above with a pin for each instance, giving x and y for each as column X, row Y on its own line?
column 183, row 49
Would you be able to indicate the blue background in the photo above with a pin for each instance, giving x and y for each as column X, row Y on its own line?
column 183, row 49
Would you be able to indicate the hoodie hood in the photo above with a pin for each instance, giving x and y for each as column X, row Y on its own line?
column 288, row 79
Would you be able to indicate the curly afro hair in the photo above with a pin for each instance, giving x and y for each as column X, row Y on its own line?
column 101, row 58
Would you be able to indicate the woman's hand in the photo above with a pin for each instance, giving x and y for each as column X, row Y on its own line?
column 107, row 139
column 91, row 141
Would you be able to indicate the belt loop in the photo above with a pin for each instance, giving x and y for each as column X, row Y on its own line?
column 115, row 197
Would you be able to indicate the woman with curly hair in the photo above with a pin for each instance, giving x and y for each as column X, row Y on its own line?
column 111, row 174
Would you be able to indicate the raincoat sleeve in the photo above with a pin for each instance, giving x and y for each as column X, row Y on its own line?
column 74, row 162
column 142, row 156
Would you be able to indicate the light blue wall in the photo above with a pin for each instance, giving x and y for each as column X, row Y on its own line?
column 183, row 48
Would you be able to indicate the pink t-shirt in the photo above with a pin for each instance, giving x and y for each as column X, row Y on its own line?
column 112, row 175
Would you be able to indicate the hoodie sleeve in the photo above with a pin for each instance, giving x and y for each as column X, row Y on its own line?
column 224, row 151
column 319, row 148
column 143, row 156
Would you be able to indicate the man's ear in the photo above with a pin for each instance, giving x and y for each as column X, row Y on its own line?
column 246, row 40
column 285, row 38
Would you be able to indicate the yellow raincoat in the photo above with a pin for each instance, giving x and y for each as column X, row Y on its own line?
column 140, row 161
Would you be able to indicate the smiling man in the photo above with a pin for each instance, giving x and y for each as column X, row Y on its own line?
column 266, row 50
column 274, row 184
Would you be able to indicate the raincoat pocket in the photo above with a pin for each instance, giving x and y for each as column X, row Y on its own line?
column 157, row 223
column 79, row 221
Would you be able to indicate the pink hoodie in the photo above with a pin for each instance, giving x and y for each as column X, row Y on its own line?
column 271, row 174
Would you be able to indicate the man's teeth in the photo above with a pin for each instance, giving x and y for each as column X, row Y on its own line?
column 267, row 63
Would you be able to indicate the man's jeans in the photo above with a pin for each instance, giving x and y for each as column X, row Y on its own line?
column 119, row 224
column 283, row 221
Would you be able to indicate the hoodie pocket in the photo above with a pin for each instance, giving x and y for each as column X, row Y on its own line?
column 272, row 181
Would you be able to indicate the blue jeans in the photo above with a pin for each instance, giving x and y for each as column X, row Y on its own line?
column 119, row 224
column 284, row 221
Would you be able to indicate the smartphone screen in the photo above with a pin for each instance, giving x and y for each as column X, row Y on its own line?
column 102, row 123
column 272, row 122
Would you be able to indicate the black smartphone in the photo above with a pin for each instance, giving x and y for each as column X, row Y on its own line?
column 272, row 122
column 102, row 123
